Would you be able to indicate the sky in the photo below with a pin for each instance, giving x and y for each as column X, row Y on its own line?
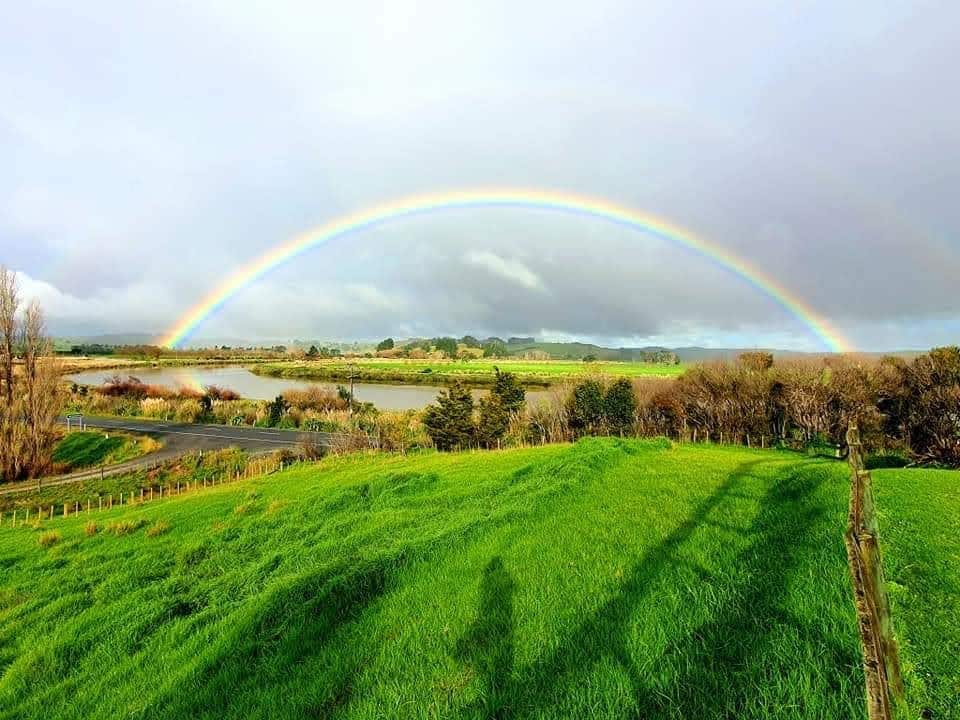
column 150, row 149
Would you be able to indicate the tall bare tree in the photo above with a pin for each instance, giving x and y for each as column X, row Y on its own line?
column 9, row 304
column 32, row 395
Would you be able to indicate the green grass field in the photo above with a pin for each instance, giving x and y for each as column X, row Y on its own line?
column 605, row 579
column 920, row 539
column 477, row 372
column 90, row 448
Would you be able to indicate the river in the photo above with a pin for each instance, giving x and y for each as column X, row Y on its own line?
column 259, row 387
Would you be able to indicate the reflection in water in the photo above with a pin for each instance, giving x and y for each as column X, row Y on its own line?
column 384, row 397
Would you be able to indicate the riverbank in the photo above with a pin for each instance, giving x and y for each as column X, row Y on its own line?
column 71, row 364
column 475, row 372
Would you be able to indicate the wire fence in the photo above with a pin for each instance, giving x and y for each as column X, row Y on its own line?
column 151, row 492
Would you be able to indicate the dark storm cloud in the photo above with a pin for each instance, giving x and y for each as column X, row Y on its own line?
column 148, row 152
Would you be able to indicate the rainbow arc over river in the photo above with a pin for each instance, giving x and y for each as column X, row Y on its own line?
column 536, row 199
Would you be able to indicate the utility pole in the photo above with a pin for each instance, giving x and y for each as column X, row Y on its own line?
column 353, row 373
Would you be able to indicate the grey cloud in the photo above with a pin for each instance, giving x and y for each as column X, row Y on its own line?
column 151, row 151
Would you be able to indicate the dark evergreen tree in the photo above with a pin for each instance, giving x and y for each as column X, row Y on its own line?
column 508, row 390
column 449, row 422
column 620, row 406
column 585, row 407
column 494, row 421
column 276, row 410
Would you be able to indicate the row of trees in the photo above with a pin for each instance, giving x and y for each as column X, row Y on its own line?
column 911, row 407
column 907, row 407
column 31, row 394
column 452, row 423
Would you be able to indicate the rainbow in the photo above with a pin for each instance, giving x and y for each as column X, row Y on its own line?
column 564, row 202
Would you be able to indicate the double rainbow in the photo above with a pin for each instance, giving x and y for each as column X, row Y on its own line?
column 830, row 337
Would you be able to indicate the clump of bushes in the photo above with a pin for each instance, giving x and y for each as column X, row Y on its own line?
column 217, row 393
column 314, row 397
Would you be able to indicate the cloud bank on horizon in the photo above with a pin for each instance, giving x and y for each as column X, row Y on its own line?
column 150, row 150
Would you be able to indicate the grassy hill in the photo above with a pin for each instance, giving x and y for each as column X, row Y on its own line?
column 79, row 450
column 604, row 579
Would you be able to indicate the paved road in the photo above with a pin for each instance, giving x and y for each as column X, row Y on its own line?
column 181, row 439
column 187, row 437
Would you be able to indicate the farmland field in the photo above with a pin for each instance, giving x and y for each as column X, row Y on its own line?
column 605, row 579
column 530, row 372
column 920, row 538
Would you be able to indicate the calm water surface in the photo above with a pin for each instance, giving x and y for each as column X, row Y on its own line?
column 258, row 387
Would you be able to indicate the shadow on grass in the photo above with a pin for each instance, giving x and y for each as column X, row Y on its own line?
column 488, row 644
column 296, row 624
column 720, row 665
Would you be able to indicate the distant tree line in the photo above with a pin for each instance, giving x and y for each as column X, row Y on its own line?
column 444, row 347
column 322, row 353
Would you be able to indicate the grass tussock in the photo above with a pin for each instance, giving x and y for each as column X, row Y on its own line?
column 275, row 506
column 91, row 528
column 49, row 538
column 158, row 528
column 123, row 527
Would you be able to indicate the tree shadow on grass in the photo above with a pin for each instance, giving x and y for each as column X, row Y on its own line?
column 752, row 643
column 264, row 654
column 488, row 645
column 717, row 663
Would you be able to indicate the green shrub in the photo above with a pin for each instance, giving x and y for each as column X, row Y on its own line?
column 876, row 461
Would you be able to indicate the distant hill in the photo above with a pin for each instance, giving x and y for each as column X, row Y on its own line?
column 578, row 351
column 516, row 347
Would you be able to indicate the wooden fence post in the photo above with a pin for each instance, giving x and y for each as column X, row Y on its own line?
column 881, row 661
